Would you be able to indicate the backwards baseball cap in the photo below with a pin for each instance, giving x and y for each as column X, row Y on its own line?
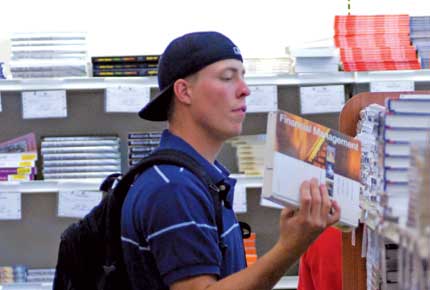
column 184, row 56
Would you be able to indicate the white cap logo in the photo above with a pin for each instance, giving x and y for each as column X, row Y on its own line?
column 236, row 50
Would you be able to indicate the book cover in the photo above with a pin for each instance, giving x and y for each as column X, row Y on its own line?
column 24, row 143
column 298, row 149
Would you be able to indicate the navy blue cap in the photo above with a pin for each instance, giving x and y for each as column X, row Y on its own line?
column 184, row 56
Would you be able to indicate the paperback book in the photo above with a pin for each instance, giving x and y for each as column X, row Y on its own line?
column 298, row 149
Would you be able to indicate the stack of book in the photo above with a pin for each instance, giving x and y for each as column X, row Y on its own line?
column 125, row 66
column 80, row 157
column 2, row 73
column 250, row 249
column 316, row 59
column 261, row 66
column 18, row 157
column 250, row 154
column 406, row 121
column 375, row 42
column 40, row 275
column 44, row 55
column 420, row 37
column 141, row 144
column 6, row 275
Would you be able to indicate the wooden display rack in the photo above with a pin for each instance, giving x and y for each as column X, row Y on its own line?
column 353, row 265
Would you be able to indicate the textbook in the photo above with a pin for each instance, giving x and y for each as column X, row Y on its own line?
column 298, row 149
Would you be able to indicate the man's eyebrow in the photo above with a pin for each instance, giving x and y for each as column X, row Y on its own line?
column 235, row 70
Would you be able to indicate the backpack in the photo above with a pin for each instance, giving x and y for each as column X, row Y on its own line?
column 90, row 252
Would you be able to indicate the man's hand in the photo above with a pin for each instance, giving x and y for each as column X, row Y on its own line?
column 300, row 227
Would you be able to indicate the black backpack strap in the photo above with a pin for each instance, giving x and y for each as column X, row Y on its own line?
column 181, row 159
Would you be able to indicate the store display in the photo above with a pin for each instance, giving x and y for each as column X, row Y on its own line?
column 125, row 66
column 80, row 157
column 49, row 54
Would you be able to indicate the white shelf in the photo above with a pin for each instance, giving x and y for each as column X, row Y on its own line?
column 97, row 83
column 26, row 286
column 77, row 83
column 41, row 186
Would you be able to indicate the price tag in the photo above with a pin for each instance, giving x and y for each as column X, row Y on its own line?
column 392, row 86
column 76, row 204
column 126, row 99
column 10, row 206
column 262, row 99
column 322, row 99
column 239, row 201
column 44, row 104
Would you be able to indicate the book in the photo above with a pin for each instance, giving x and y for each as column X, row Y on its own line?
column 403, row 120
column 126, row 73
column 408, row 105
column 131, row 65
column 24, row 143
column 298, row 149
column 125, row 59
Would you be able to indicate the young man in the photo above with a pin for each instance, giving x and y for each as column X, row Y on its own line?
column 169, row 234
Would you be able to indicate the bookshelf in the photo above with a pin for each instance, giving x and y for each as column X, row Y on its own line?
column 354, row 266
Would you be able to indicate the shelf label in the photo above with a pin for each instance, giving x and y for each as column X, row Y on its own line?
column 239, row 201
column 322, row 99
column 126, row 99
column 76, row 204
column 392, row 86
column 44, row 104
column 262, row 99
column 10, row 206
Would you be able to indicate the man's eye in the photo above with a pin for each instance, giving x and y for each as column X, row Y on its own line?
column 226, row 78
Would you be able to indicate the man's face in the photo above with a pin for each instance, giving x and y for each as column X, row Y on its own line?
column 218, row 94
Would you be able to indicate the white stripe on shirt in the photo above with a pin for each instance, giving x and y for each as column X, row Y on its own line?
column 130, row 241
column 178, row 226
column 161, row 174
column 229, row 230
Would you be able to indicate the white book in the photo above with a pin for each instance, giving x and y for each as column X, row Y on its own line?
column 298, row 150
column 406, row 135
column 397, row 149
column 407, row 120
column 396, row 162
column 409, row 105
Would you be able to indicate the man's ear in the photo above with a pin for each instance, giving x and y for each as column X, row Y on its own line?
column 181, row 88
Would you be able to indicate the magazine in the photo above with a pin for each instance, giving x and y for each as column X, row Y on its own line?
column 298, row 149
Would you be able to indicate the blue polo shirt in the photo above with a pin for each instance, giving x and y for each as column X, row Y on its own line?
column 168, row 227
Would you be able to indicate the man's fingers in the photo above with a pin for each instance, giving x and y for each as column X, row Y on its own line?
column 305, row 197
column 316, row 200
column 325, row 201
column 334, row 217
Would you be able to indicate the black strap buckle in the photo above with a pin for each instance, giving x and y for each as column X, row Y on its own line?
column 245, row 229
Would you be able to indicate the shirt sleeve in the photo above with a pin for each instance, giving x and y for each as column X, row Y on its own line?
column 179, row 226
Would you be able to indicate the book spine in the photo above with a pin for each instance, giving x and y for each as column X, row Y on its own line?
column 125, row 59
column 129, row 73
column 120, row 67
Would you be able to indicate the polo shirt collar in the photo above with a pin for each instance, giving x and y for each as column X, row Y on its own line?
column 216, row 171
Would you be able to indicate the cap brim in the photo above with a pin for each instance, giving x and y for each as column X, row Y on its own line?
column 157, row 108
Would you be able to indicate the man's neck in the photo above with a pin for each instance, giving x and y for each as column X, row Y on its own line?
column 205, row 144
